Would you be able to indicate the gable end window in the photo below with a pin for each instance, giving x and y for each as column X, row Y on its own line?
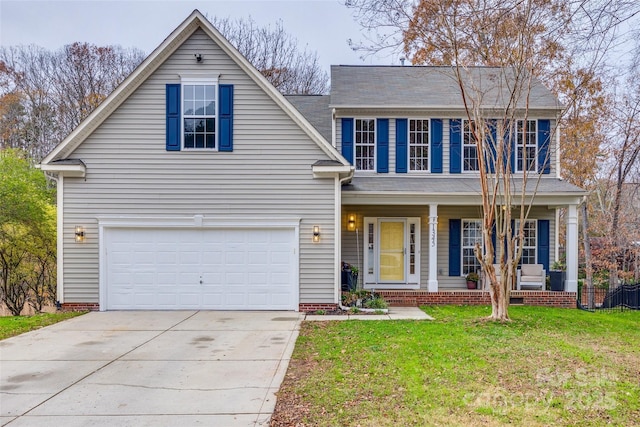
column 365, row 144
column 419, row 145
column 199, row 115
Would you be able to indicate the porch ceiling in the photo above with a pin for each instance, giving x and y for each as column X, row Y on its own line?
column 458, row 190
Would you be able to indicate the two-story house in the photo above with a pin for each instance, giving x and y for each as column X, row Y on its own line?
column 197, row 185
column 411, row 215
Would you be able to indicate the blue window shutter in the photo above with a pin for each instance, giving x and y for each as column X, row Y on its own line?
column 173, row 117
column 401, row 145
column 225, row 95
column 382, row 135
column 347, row 139
column 543, row 243
column 436, row 145
column 544, row 136
column 455, row 252
column 455, row 146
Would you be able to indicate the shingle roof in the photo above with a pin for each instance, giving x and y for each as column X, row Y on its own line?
column 424, row 87
column 315, row 108
column 458, row 185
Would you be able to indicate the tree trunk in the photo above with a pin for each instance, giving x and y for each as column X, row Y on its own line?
column 499, row 298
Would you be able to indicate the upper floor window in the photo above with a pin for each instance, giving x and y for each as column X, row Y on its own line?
column 419, row 144
column 526, row 146
column 529, row 241
column 469, row 147
column 199, row 114
column 365, row 144
column 471, row 236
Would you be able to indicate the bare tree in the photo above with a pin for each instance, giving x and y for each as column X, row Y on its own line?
column 276, row 54
column 44, row 95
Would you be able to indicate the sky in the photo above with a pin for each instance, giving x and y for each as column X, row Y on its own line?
column 321, row 25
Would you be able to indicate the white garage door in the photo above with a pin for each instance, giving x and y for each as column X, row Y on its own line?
column 223, row 269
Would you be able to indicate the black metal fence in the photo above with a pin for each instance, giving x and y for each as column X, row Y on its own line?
column 623, row 297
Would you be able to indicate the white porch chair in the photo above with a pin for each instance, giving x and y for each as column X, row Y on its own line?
column 531, row 276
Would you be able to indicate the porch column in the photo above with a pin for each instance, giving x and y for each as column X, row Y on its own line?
column 571, row 285
column 433, row 248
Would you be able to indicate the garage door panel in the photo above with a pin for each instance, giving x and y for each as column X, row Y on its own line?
column 200, row 269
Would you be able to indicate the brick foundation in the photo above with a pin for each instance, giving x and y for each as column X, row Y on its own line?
column 418, row 298
column 311, row 307
column 80, row 306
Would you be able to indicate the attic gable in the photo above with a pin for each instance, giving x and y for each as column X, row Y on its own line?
column 158, row 57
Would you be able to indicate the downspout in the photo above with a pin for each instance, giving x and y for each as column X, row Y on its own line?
column 333, row 128
column 59, row 236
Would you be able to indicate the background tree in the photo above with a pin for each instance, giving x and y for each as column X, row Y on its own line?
column 276, row 54
column 45, row 94
column 27, row 233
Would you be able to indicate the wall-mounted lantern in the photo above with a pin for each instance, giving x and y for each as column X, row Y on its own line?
column 351, row 222
column 316, row 233
column 79, row 233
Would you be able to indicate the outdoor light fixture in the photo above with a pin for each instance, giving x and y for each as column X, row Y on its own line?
column 351, row 222
column 316, row 233
column 79, row 233
column 198, row 57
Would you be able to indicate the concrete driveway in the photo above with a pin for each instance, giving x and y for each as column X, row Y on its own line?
column 155, row 368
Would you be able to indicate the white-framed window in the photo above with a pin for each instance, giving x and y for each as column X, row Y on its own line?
column 391, row 253
column 529, row 241
column 365, row 144
column 419, row 145
column 526, row 145
column 471, row 236
column 199, row 114
column 469, row 147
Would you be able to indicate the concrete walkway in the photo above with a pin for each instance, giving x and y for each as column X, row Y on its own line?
column 148, row 369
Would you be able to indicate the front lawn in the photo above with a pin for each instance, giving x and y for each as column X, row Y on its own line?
column 16, row 325
column 547, row 367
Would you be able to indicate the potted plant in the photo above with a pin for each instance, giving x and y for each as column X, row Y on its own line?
column 557, row 276
column 472, row 280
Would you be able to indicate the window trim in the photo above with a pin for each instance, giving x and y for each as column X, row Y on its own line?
column 429, row 145
column 518, row 143
column 463, row 132
column 375, row 144
column 200, row 81
column 463, row 246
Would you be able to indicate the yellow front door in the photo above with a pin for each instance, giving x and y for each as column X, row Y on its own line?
column 392, row 257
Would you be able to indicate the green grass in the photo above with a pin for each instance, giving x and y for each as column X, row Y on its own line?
column 546, row 367
column 16, row 325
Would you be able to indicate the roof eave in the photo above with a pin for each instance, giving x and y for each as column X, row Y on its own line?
column 79, row 170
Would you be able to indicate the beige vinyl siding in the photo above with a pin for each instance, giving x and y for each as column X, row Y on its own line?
column 268, row 174
column 446, row 132
column 351, row 241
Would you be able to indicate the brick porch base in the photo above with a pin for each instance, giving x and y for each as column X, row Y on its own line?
column 464, row 297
